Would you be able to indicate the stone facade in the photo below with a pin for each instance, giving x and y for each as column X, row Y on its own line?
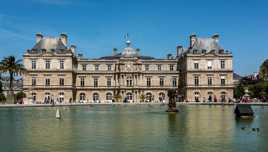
column 56, row 73
column 206, row 71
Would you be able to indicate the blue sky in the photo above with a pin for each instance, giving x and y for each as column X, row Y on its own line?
column 154, row 26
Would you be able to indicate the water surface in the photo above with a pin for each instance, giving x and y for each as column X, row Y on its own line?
column 129, row 128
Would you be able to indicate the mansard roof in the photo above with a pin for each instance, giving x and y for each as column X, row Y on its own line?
column 50, row 43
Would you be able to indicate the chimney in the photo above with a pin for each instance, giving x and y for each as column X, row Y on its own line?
column 114, row 51
column 73, row 48
column 192, row 40
column 179, row 50
column 64, row 38
column 138, row 51
column 38, row 37
column 216, row 37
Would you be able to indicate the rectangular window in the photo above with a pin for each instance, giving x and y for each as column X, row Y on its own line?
column 147, row 67
column 61, row 64
column 222, row 64
column 159, row 67
column 171, row 67
column 223, row 80
column 84, row 67
column 174, row 82
column 47, row 64
column 33, row 64
column 47, row 83
column 33, row 81
column 209, row 65
column 196, row 65
column 109, row 82
column 129, row 82
column 210, row 81
column 196, row 80
column 61, row 82
column 82, row 81
column 161, row 81
column 148, row 82
column 97, row 67
column 109, row 67
column 96, row 83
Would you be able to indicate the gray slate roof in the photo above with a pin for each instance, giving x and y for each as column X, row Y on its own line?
column 50, row 43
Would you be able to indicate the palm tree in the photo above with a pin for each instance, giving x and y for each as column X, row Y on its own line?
column 14, row 68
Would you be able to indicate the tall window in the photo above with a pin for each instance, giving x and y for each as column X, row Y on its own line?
column 109, row 96
column 47, row 64
column 33, row 64
column 109, row 82
column 148, row 81
column 95, row 97
column 34, row 96
column 196, row 65
column 147, row 67
column 223, row 81
column 82, row 96
column 129, row 81
column 222, row 64
column 33, row 81
column 159, row 66
column 61, row 97
column 109, row 67
column 97, row 67
column 209, row 65
column 61, row 82
column 47, row 82
column 196, row 80
column 161, row 81
column 82, row 81
column 171, row 67
column 84, row 67
column 96, row 84
column 61, row 64
column 209, row 81
column 174, row 82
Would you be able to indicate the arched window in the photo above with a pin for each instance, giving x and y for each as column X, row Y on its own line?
column 109, row 96
column 161, row 96
column 82, row 96
column 149, row 97
column 223, row 96
column 95, row 97
column 34, row 96
column 129, row 96
column 196, row 96
column 61, row 97
column 47, row 97
column 210, row 95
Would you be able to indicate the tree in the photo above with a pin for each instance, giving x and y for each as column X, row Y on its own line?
column 263, row 73
column 239, row 91
column 2, row 98
column 117, row 97
column 19, row 96
column 13, row 67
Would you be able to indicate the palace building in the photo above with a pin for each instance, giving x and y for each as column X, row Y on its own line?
column 56, row 73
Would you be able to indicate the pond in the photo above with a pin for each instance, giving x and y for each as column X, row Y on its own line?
column 131, row 128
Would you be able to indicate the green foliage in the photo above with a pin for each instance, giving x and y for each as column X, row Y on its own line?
column 263, row 73
column 20, row 95
column 259, row 89
column 1, row 87
column 239, row 91
column 13, row 67
column 2, row 98
column 117, row 97
column 142, row 97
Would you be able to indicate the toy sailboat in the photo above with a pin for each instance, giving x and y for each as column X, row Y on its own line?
column 58, row 115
